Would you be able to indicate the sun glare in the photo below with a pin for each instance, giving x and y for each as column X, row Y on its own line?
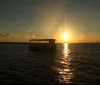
column 65, row 35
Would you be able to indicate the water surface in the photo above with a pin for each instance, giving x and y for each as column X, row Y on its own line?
column 71, row 64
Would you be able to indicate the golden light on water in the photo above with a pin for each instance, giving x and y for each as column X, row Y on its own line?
column 62, row 67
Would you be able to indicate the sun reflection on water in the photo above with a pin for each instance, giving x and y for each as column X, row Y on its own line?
column 62, row 67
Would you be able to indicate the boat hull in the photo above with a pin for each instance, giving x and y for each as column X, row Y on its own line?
column 42, row 46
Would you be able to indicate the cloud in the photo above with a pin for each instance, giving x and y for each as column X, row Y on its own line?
column 4, row 34
column 29, row 36
column 30, row 30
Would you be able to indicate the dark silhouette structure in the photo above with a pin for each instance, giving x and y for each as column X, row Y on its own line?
column 42, row 44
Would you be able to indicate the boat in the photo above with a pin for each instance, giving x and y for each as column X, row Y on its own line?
column 42, row 44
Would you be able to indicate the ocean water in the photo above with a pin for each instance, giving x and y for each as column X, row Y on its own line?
column 71, row 64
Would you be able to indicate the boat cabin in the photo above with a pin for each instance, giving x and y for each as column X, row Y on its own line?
column 42, row 40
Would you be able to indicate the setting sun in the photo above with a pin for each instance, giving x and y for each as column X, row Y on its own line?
column 65, row 35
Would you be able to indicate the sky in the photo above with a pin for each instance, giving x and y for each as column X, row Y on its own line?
column 21, row 20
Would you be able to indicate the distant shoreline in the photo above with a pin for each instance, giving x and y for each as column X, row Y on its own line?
column 14, row 42
column 57, row 42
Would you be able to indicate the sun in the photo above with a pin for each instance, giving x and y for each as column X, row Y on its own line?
column 65, row 36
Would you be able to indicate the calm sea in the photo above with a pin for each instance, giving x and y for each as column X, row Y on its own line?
column 71, row 64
